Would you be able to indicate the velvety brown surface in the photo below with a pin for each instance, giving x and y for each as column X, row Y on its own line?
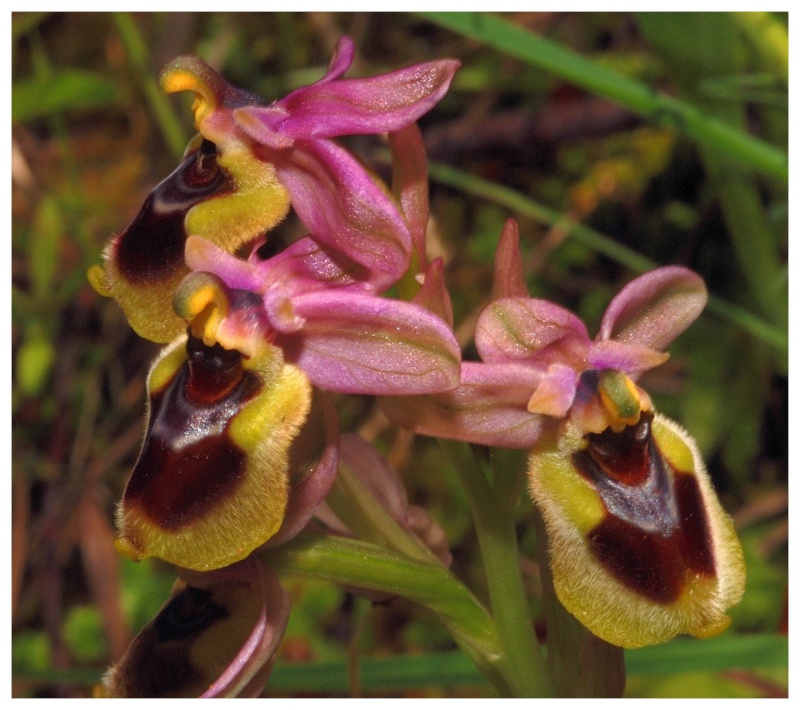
column 152, row 246
column 188, row 463
column 655, row 537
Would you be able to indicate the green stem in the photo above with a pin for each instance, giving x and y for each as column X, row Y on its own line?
column 361, row 564
column 494, row 525
column 660, row 108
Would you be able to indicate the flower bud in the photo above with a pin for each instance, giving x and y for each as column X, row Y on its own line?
column 215, row 636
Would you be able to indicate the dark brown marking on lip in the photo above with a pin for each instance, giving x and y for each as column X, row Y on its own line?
column 189, row 464
column 655, row 537
column 187, row 614
column 158, row 663
column 151, row 248
column 214, row 372
column 623, row 456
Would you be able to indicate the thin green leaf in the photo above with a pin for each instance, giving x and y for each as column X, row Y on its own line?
column 432, row 670
column 71, row 90
column 138, row 55
column 453, row 668
column 662, row 109
column 715, row 654
column 432, row 586
column 448, row 669
column 697, row 46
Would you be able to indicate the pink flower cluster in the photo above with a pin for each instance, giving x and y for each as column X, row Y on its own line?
column 313, row 318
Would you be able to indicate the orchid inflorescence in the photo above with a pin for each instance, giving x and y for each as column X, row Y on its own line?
column 242, row 449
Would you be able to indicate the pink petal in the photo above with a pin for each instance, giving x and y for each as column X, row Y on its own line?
column 345, row 208
column 265, row 123
column 203, row 255
column 262, row 124
column 630, row 358
column 489, row 407
column 529, row 329
column 308, row 265
column 279, row 309
column 340, row 61
column 555, row 392
column 303, row 266
column 369, row 345
column 378, row 104
column 509, row 279
column 655, row 308
column 249, row 670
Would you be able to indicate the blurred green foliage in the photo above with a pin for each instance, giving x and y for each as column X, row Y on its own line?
column 600, row 189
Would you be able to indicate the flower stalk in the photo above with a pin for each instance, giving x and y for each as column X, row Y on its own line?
column 523, row 659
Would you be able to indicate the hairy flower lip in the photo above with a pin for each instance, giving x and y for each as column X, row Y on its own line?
column 159, row 225
column 211, row 482
column 645, row 550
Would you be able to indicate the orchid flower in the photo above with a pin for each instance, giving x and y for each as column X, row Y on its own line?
column 216, row 636
column 213, row 480
column 640, row 548
column 216, row 476
column 308, row 301
column 251, row 161
column 218, row 633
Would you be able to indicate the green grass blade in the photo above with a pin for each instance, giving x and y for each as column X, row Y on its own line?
column 448, row 669
column 63, row 91
column 521, row 204
column 638, row 97
column 138, row 54
column 452, row 668
column 602, row 244
column 432, row 670
column 721, row 653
